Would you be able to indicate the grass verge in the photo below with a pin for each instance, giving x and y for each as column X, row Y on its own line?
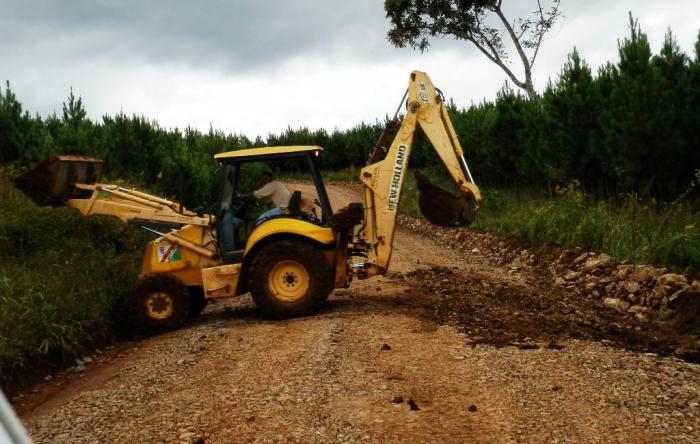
column 632, row 231
column 64, row 280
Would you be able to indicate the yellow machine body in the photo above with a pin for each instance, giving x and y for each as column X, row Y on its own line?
column 178, row 254
column 321, row 235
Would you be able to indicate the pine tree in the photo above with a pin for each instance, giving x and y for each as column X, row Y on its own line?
column 629, row 123
column 672, row 115
column 572, row 105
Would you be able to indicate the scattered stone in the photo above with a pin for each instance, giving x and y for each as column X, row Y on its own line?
column 600, row 261
column 79, row 368
column 590, row 283
column 687, row 296
column 472, row 408
column 397, row 400
column 386, row 347
column 475, row 251
column 580, row 258
column 616, row 304
column 639, row 312
column 631, row 287
column 412, row 404
column 559, row 281
column 670, row 283
column 572, row 275
column 642, row 274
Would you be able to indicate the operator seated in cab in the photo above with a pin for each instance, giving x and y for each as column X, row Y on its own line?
column 274, row 191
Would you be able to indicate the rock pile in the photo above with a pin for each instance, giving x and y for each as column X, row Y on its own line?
column 636, row 289
column 641, row 291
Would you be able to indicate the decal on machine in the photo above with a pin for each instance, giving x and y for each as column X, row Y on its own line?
column 423, row 92
column 395, row 186
column 168, row 252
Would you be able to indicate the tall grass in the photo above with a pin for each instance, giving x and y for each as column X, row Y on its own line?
column 630, row 230
column 64, row 280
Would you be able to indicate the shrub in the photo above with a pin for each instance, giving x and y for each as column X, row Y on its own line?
column 64, row 280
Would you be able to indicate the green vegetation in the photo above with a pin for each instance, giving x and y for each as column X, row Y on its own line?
column 63, row 281
column 634, row 231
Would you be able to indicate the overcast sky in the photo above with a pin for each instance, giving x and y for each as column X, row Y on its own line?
column 255, row 67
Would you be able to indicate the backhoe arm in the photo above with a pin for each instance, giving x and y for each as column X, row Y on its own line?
column 133, row 206
column 383, row 179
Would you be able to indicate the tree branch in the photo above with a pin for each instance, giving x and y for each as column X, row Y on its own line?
column 515, row 40
column 496, row 59
column 541, row 32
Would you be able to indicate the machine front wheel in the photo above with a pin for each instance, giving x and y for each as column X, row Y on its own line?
column 162, row 302
column 290, row 278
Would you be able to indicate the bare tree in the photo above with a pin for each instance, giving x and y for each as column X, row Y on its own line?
column 413, row 22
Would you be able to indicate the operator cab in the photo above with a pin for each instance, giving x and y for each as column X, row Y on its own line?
column 237, row 219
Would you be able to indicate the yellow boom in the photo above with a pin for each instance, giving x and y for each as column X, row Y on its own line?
column 383, row 179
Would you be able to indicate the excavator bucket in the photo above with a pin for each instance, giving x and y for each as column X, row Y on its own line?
column 51, row 182
column 441, row 207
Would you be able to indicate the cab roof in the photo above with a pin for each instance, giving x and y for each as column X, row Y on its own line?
column 267, row 152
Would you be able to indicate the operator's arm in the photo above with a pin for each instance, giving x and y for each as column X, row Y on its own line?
column 265, row 191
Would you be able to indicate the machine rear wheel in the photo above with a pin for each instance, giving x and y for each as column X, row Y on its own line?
column 290, row 278
column 162, row 302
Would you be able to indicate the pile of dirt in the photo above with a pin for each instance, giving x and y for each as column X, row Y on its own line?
column 535, row 315
column 574, row 294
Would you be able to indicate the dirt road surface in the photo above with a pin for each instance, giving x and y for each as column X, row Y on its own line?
column 390, row 359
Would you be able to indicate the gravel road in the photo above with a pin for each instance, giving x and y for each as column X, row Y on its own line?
column 380, row 363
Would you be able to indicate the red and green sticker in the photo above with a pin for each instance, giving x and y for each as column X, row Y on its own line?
column 168, row 252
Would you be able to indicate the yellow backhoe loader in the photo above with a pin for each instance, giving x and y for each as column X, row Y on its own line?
column 291, row 262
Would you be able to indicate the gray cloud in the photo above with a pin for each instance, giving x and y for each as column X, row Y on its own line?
column 187, row 61
column 240, row 35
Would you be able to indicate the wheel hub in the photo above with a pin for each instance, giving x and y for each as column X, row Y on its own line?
column 159, row 305
column 288, row 281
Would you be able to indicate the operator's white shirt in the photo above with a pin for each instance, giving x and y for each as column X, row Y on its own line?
column 276, row 192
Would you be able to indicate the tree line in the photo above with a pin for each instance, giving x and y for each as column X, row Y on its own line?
column 629, row 127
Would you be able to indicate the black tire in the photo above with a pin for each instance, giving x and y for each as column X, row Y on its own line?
column 161, row 302
column 290, row 278
column 197, row 300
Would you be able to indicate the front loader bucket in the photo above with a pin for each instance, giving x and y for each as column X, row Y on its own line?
column 51, row 182
column 441, row 207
